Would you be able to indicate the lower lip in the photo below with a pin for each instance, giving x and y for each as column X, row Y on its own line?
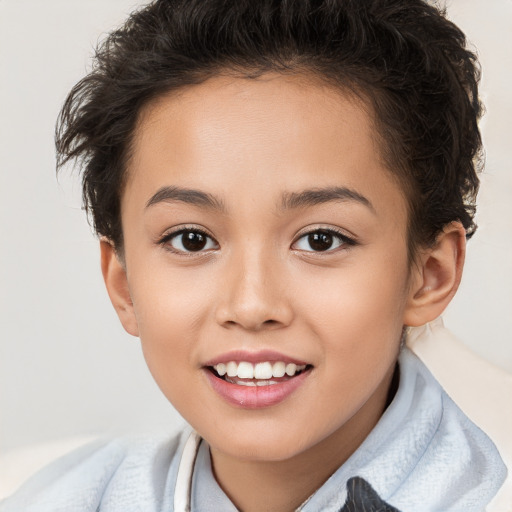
column 256, row 397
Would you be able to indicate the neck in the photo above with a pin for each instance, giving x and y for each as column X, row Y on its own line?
column 288, row 483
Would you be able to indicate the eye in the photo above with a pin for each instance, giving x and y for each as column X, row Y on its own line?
column 189, row 240
column 322, row 240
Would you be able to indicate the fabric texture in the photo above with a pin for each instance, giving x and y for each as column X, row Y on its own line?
column 424, row 455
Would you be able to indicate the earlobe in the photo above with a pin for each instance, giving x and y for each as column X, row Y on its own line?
column 437, row 276
column 114, row 275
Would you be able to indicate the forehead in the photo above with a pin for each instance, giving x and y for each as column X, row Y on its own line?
column 272, row 133
column 254, row 112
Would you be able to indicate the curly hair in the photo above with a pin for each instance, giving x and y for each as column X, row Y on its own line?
column 405, row 58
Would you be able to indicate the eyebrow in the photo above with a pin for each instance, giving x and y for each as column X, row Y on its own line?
column 289, row 200
column 316, row 196
column 187, row 195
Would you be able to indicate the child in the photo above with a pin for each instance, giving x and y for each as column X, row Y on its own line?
column 280, row 189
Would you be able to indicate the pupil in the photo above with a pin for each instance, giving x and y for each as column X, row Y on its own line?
column 193, row 241
column 320, row 241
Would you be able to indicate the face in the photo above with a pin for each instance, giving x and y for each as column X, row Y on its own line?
column 265, row 238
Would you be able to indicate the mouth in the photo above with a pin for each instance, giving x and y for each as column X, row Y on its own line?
column 256, row 384
column 266, row 373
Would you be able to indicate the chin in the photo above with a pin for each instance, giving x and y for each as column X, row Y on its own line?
column 265, row 445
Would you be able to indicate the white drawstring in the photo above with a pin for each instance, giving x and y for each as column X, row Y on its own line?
column 183, row 490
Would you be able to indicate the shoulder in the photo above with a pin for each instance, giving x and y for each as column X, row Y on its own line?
column 127, row 471
column 480, row 389
column 459, row 466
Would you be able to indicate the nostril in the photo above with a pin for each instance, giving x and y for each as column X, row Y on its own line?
column 263, row 325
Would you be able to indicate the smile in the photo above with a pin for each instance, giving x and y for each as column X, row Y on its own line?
column 256, row 384
column 259, row 374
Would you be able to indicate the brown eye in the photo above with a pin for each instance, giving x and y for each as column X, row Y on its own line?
column 193, row 241
column 322, row 240
column 190, row 240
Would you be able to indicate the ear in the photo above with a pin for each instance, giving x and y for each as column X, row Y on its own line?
column 114, row 275
column 436, row 276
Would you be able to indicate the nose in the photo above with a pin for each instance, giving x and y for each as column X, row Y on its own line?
column 253, row 294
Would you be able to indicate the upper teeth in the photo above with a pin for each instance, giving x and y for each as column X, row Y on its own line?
column 265, row 370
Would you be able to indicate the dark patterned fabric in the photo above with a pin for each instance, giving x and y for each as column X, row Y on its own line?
column 362, row 498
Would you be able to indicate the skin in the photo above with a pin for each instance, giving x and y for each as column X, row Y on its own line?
column 259, row 285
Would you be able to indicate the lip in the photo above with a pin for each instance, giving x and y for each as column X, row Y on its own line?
column 255, row 397
column 254, row 357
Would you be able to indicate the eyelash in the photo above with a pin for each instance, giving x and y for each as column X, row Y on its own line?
column 166, row 239
column 345, row 241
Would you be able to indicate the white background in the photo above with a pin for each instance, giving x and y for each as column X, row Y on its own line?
column 66, row 366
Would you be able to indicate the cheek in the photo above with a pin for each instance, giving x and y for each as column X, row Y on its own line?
column 357, row 322
column 166, row 296
column 358, row 308
column 171, row 309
